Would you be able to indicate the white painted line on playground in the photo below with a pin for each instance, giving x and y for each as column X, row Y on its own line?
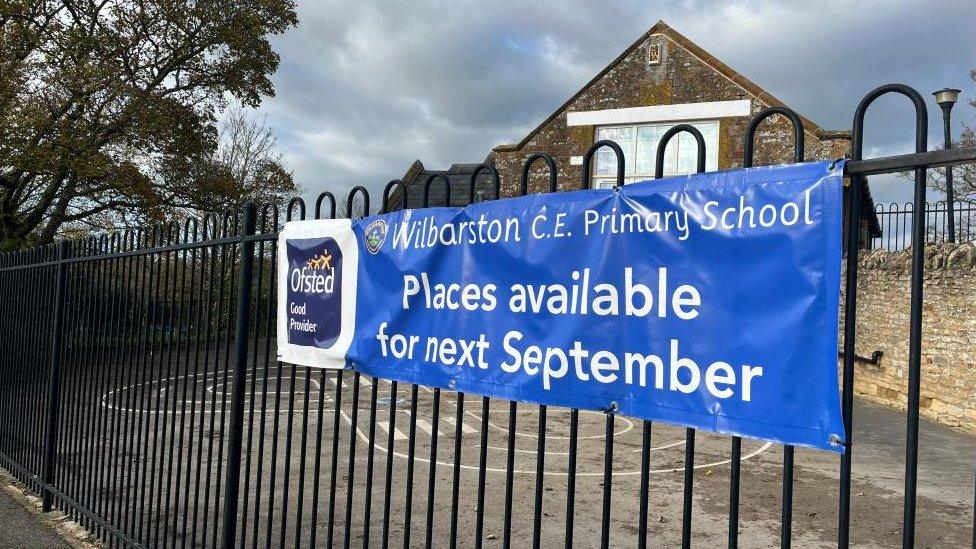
column 423, row 424
column 465, row 428
column 426, row 427
column 204, row 402
column 397, row 433
column 363, row 382
column 362, row 436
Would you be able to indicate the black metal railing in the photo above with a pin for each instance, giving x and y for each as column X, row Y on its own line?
column 140, row 394
column 895, row 220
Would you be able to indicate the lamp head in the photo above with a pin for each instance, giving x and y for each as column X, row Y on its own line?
column 946, row 97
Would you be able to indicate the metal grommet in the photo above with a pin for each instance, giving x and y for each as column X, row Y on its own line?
column 833, row 163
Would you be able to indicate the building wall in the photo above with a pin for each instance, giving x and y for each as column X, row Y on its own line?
column 948, row 390
column 680, row 77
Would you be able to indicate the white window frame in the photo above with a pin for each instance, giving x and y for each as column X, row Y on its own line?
column 631, row 176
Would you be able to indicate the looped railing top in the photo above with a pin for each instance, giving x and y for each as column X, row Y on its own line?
column 263, row 220
column 113, row 243
column 666, row 138
column 750, row 136
column 173, row 232
column 118, row 241
column 430, row 181
column 359, row 189
column 553, row 172
column 157, row 234
column 145, row 237
column 186, row 228
column 921, row 117
column 129, row 239
column 297, row 201
column 103, row 244
column 209, row 228
column 394, row 184
column 318, row 204
column 494, row 177
column 588, row 159
column 169, row 233
column 137, row 240
column 230, row 214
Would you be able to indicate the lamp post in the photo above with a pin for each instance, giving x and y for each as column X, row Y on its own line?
column 946, row 98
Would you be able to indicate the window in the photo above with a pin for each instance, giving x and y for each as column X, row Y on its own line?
column 639, row 143
column 654, row 54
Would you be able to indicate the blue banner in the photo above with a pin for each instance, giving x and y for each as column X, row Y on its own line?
column 708, row 301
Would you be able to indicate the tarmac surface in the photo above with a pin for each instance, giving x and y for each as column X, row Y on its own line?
column 22, row 529
column 280, row 475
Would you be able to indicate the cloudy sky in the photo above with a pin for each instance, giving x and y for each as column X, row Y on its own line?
column 366, row 87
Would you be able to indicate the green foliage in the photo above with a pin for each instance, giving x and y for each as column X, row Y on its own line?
column 108, row 110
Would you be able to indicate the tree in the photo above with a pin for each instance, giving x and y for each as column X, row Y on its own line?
column 109, row 108
column 245, row 165
column 964, row 175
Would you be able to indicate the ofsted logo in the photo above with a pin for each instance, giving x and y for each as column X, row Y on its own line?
column 314, row 292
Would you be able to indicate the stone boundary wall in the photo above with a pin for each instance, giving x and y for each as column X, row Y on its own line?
column 948, row 391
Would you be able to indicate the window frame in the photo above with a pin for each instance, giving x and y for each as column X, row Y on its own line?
column 604, row 181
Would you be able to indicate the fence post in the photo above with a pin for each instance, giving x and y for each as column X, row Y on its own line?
column 54, row 378
column 232, row 484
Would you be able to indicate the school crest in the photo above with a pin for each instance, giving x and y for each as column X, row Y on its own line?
column 375, row 235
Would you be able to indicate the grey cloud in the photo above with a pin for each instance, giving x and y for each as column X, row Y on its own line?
column 364, row 87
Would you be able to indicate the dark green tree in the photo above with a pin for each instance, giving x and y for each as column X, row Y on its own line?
column 109, row 110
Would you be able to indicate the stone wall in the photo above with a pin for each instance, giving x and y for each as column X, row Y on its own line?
column 948, row 387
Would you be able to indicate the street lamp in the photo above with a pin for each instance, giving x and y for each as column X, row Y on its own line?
column 946, row 98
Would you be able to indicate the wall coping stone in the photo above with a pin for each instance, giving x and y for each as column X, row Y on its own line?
column 940, row 259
